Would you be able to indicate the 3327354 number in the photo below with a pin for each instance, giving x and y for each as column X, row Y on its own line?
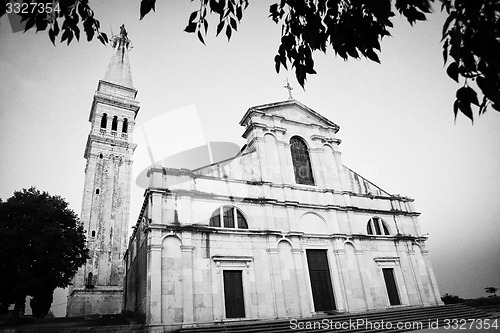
column 467, row 324
column 32, row 7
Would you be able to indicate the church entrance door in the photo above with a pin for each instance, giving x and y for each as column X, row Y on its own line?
column 321, row 284
column 390, row 284
column 233, row 294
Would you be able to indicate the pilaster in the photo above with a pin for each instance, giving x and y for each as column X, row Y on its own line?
column 187, row 283
column 274, row 261
column 153, row 315
column 300, row 271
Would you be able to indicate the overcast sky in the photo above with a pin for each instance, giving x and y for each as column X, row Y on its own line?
column 396, row 119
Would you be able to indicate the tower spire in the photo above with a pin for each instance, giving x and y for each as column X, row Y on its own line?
column 119, row 68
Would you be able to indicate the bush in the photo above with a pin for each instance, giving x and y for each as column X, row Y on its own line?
column 451, row 299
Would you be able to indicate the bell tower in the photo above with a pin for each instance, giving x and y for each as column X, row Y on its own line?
column 98, row 285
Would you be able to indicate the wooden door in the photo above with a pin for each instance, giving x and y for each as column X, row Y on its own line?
column 233, row 294
column 390, row 284
column 321, row 283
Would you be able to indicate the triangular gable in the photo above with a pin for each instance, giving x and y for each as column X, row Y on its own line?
column 283, row 109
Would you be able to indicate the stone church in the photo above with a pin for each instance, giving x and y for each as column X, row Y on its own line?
column 281, row 230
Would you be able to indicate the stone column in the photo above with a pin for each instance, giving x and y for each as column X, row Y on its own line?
column 432, row 277
column 153, row 289
column 156, row 208
column 277, row 284
column 286, row 164
column 305, row 304
column 342, row 302
column 187, row 283
column 411, row 261
column 316, row 154
column 363, row 276
column 343, row 178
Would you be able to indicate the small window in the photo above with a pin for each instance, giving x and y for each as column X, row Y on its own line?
column 125, row 125
column 301, row 161
column 100, row 155
column 114, row 124
column 104, row 120
column 93, row 233
column 232, row 217
column 97, row 191
column 377, row 226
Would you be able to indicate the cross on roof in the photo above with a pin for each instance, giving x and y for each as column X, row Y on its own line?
column 289, row 87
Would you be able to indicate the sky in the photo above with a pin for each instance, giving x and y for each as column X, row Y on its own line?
column 396, row 119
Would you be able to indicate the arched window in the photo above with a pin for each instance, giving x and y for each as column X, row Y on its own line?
column 104, row 120
column 114, row 124
column 97, row 191
column 301, row 161
column 125, row 125
column 232, row 217
column 377, row 226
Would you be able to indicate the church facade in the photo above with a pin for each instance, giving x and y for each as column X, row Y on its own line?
column 282, row 230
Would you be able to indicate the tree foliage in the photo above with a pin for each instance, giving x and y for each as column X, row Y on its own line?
column 42, row 245
column 492, row 291
column 350, row 28
column 41, row 302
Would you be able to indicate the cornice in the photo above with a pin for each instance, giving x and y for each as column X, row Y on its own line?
column 120, row 102
column 324, row 139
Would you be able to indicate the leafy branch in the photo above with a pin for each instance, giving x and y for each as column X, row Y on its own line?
column 351, row 28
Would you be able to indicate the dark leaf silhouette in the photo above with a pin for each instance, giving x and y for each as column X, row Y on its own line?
column 146, row 7
column 351, row 28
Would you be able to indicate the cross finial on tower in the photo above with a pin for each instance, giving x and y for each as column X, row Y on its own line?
column 289, row 87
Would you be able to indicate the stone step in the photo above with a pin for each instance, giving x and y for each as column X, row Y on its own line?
column 404, row 315
column 91, row 324
column 82, row 329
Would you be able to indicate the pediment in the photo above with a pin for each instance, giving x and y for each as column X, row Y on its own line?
column 291, row 110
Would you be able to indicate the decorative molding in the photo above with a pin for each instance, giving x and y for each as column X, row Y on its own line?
column 154, row 247
column 315, row 241
column 272, row 250
column 231, row 258
column 187, row 248
column 381, row 261
column 232, row 262
column 324, row 139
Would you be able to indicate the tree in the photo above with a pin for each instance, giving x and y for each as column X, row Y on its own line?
column 492, row 291
column 351, row 28
column 42, row 245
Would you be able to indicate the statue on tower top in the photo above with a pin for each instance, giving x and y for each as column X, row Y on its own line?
column 121, row 40
column 123, row 31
